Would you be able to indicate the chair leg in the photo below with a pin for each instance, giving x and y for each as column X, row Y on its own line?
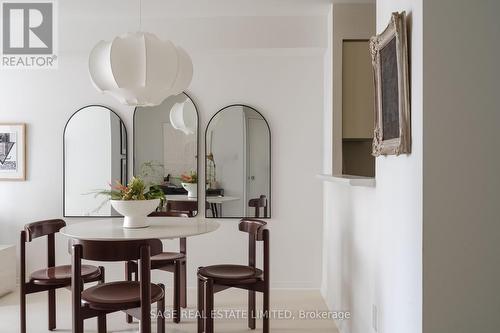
column 184, row 284
column 52, row 309
column 177, row 292
column 145, row 324
column 103, row 275
column 251, row 309
column 160, row 313
column 76, row 304
column 77, row 319
column 101, row 319
column 201, row 306
column 22, row 305
column 265, row 328
column 209, row 306
column 128, row 277
column 101, row 323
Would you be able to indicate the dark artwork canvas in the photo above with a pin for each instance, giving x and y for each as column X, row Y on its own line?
column 7, row 142
column 390, row 93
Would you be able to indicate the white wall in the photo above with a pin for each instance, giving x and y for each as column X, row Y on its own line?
column 373, row 236
column 461, row 183
column 264, row 53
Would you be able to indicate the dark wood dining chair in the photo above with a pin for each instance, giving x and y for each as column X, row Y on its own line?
column 259, row 203
column 212, row 279
column 51, row 278
column 173, row 262
column 132, row 297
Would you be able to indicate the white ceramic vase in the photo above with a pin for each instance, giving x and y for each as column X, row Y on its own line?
column 135, row 212
column 192, row 189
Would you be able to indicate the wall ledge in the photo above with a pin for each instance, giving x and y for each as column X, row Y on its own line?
column 348, row 179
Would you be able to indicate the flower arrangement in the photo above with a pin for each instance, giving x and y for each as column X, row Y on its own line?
column 136, row 189
column 190, row 178
column 134, row 201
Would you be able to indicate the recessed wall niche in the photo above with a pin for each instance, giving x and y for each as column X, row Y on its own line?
column 357, row 109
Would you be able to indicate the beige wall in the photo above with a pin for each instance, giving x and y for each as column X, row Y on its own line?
column 357, row 90
column 349, row 22
column 461, row 232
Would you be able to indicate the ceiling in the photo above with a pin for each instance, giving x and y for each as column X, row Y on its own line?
column 196, row 8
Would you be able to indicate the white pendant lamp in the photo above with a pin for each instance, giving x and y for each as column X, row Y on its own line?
column 139, row 69
column 183, row 117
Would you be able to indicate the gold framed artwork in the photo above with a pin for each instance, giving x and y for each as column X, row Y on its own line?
column 12, row 151
column 389, row 51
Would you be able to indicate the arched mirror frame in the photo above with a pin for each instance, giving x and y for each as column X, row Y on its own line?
column 269, row 215
column 134, row 171
column 124, row 142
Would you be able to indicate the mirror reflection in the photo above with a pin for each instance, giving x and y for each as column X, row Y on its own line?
column 166, row 149
column 238, row 164
column 95, row 154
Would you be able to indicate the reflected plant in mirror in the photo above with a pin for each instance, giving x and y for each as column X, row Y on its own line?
column 166, row 149
column 238, row 164
column 190, row 184
column 95, row 155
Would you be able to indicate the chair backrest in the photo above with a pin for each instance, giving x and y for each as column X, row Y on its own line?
column 123, row 250
column 253, row 227
column 258, row 203
column 43, row 228
column 188, row 207
column 35, row 230
column 257, row 231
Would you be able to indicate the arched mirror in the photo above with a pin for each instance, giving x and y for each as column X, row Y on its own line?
column 238, row 164
column 95, row 154
column 166, row 151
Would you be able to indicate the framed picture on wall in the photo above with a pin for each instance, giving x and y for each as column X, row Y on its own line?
column 389, row 51
column 12, row 151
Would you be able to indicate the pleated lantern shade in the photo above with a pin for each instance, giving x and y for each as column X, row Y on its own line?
column 139, row 69
column 183, row 117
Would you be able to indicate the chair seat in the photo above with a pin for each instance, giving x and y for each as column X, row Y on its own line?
column 62, row 275
column 166, row 257
column 230, row 272
column 118, row 295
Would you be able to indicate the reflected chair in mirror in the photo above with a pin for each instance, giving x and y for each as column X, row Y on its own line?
column 188, row 207
column 212, row 279
column 174, row 262
column 51, row 278
column 212, row 208
column 132, row 297
column 259, row 203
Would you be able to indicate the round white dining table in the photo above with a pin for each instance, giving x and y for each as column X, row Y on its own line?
column 111, row 229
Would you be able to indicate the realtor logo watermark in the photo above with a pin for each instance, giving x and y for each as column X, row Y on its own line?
column 28, row 34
